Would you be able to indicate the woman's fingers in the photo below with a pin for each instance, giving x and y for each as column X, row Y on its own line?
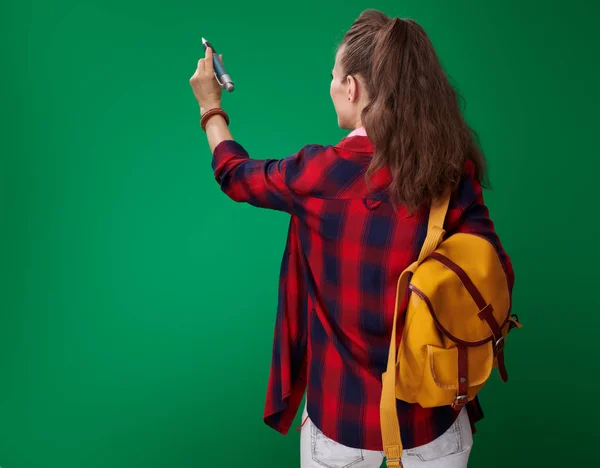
column 208, row 61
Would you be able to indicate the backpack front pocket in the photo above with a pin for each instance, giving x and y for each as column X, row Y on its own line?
column 441, row 378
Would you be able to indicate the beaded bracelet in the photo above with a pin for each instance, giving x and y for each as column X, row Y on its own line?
column 211, row 113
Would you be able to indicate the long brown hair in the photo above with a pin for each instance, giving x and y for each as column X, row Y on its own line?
column 413, row 118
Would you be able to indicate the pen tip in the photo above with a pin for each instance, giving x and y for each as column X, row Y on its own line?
column 203, row 41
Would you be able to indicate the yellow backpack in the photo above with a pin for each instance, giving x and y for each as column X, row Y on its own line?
column 457, row 319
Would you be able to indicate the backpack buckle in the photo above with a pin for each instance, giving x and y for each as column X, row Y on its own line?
column 499, row 344
column 459, row 401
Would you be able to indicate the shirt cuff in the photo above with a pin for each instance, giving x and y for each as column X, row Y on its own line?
column 225, row 151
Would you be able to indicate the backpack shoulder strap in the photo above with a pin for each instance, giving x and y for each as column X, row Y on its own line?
column 435, row 225
column 390, row 426
column 438, row 210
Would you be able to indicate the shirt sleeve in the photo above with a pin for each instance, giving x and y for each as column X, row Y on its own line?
column 264, row 183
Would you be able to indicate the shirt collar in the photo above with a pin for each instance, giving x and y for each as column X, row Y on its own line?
column 357, row 141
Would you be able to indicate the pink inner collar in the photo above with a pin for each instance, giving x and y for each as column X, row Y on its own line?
column 358, row 132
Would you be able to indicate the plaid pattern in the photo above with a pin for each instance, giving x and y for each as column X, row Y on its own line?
column 345, row 249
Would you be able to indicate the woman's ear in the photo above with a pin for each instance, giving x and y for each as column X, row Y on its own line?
column 352, row 88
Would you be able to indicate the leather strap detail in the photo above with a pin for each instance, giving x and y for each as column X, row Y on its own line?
column 487, row 315
column 464, row 278
column 462, row 397
column 485, row 310
column 502, row 366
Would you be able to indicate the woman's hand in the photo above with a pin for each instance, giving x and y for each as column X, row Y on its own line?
column 204, row 84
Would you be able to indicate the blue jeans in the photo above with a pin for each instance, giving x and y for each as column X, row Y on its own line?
column 450, row 450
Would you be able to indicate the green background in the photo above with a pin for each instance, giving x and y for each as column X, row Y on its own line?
column 137, row 302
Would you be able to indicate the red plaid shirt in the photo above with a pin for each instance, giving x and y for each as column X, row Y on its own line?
column 345, row 249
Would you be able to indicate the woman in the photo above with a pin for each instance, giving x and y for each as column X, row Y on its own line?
column 358, row 218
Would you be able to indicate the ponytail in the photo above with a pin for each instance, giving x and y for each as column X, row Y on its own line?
column 413, row 118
